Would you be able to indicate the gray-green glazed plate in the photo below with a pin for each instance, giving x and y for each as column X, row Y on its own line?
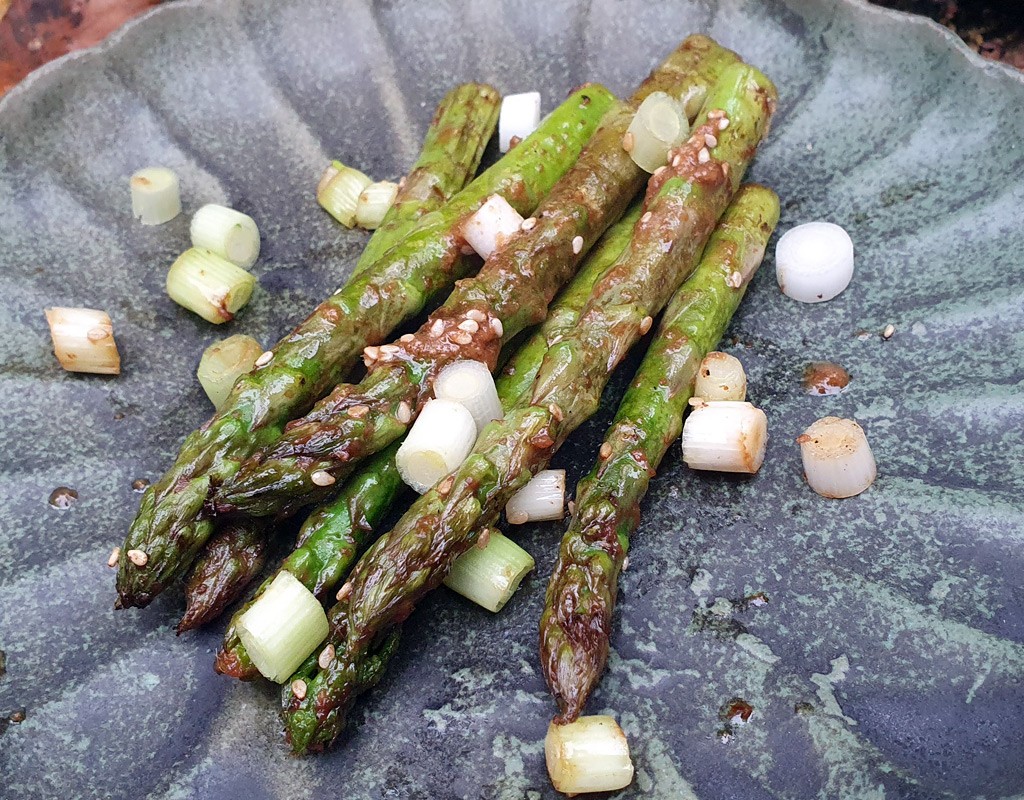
column 888, row 661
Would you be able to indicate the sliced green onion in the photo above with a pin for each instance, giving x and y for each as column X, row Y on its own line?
column 720, row 377
column 543, row 498
column 374, row 202
column 83, row 340
column 471, row 384
column 491, row 225
column 837, row 458
column 156, row 195
column 339, row 194
column 814, row 261
column 222, row 364
column 658, row 125
column 588, row 755
column 283, row 627
column 226, row 232
column 725, row 436
column 489, row 576
column 436, row 444
column 209, row 285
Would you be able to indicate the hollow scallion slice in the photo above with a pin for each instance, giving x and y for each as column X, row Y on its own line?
column 156, row 195
column 492, row 224
column 436, row 444
column 338, row 192
column 83, row 340
column 720, row 377
column 489, row 576
column 518, row 118
column 209, row 285
column 283, row 627
column 837, row 459
column 543, row 498
column 588, row 755
column 725, row 436
column 374, row 202
column 223, row 362
column 814, row 262
column 471, row 384
column 230, row 234
column 658, row 125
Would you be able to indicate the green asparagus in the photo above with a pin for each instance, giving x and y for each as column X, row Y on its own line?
column 169, row 527
column 576, row 624
column 683, row 204
column 512, row 291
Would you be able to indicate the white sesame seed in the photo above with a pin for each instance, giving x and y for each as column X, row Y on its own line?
column 358, row 411
column 476, row 315
column 462, row 338
column 572, row 507
column 723, row 123
column 528, row 224
column 115, row 554
column 322, row 478
column 469, row 325
column 389, row 348
column 703, row 157
column 555, row 412
column 437, row 328
column 326, row 657
column 710, row 140
column 484, row 539
column 497, row 327
column 404, row 413
column 606, row 450
column 299, row 689
column 344, row 591
column 735, row 280
column 445, row 486
column 467, row 250
column 371, row 352
column 138, row 557
column 890, row 329
column 677, row 160
column 577, row 244
column 625, row 563
column 660, row 169
column 628, row 142
column 264, row 359
column 697, row 402
column 406, row 337
column 646, row 217
column 645, row 325
column 518, row 518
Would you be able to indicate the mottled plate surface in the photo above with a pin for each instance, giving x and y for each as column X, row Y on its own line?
column 889, row 659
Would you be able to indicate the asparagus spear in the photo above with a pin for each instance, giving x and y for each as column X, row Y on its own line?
column 684, row 201
column 511, row 292
column 168, row 527
column 335, row 533
column 576, row 624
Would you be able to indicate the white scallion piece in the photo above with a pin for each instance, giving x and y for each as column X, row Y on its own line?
column 209, row 285
column 83, row 340
column 374, row 202
column 282, row 627
column 658, row 125
column 490, row 576
column 493, row 223
column 471, row 384
column 814, row 261
column 339, row 192
column 837, row 459
column 588, row 755
column 543, row 498
column 228, row 233
column 720, row 377
column 518, row 118
column 222, row 364
column 725, row 436
column 156, row 195
column 438, row 441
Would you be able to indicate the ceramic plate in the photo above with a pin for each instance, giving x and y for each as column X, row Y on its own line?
column 888, row 660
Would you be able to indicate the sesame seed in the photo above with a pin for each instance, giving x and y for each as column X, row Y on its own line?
column 264, row 359
column 645, row 218
column 572, row 507
column 677, row 160
column 625, row 563
column 469, row 325
column 445, row 486
column 326, row 657
column 723, row 124
column 404, row 413
column 389, row 348
column 322, row 478
column 401, row 183
column 710, row 140
column 606, row 450
column 476, row 315
column 358, row 411
column 344, row 591
column 715, row 113
column 725, row 168
column 577, row 244
column 299, row 689
column 890, row 329
column 371, row 352
column 736, row 280
column 115, row 554
column 138, row 557
column 497, row 327
column 556, row 412
column 462, row 338
column 645, row 325
column 484, row 539
column 697, row 402
column 660, row 170
column 467, row 250
column 406, row 337
column 628, row 141
column 437, row 328
column 528, row 224
column 518, row 518
column 703, row 157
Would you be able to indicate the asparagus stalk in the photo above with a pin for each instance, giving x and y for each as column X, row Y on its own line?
column 683, row 204
column 576, row 623
column 511, row 292
column 169, row 527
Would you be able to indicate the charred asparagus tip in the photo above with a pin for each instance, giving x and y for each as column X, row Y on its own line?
column 138, row 557
column 299, row 689
column 322, row 478
column 115, row 554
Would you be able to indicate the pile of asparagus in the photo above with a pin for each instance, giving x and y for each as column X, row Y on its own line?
column 616, row 245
